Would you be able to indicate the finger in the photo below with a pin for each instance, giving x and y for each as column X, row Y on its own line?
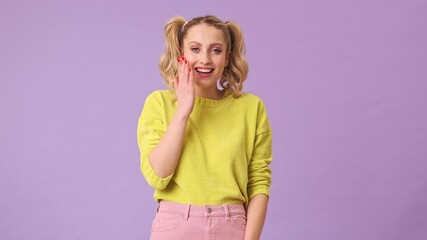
column 185, row 71
column 179, row 68
column 191, row 78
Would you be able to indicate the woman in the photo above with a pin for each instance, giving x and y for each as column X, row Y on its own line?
column 205, row 145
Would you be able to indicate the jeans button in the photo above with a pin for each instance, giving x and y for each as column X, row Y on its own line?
column 209, row 210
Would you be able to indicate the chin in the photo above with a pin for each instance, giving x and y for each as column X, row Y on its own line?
column 205, row 85
column 204, row 81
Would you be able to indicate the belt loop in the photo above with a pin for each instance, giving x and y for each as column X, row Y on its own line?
column 157, row 209
column 227, row 212
column 187, row 212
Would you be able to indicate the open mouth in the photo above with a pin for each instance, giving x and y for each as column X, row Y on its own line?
column 204, row 70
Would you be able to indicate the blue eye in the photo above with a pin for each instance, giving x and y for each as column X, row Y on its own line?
column 217, row 51
column 195, row 49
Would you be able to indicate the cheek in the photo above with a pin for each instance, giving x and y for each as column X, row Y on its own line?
column 188, row 55
column 190, row 59
column 222, row 62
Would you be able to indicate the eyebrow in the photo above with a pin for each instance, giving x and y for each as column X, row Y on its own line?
column 213, row 44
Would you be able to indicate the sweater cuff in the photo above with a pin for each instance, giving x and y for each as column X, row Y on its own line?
column 152, row 178
column 259, row 190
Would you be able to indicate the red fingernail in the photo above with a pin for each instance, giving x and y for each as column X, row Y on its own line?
column 186, row 61
column 179, row 59
column 183, row 58
column 189, row 69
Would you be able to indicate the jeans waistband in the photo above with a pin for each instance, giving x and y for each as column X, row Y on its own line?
column 189, row 210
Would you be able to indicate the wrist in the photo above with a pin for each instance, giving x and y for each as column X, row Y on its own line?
column 182, row 115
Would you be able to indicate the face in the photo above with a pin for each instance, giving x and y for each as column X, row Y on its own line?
column 205, row 48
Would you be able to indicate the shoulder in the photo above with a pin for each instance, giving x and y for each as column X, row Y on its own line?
column 159, row 94
column 250, row 97
column 157, row 101
column 159, row 97
column 252, row 100
column 256, row 105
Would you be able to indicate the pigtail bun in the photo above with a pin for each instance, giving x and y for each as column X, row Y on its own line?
column 168, row 64
column 237, row 70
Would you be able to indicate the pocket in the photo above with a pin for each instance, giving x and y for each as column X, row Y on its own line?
column 164, row 222
column 239, row 222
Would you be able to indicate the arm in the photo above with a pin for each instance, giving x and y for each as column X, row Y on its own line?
column 259, row 177
column 257, row 210
column 165, row 155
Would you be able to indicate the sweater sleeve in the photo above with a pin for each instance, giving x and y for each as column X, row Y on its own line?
column 259, row 171
column 150, row 131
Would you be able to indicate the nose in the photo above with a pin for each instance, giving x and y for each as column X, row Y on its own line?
column 205, row 58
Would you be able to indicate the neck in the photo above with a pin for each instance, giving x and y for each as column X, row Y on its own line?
column 211, row 94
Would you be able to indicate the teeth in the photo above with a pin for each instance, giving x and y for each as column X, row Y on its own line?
column 204, row 70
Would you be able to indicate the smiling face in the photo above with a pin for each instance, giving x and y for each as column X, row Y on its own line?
column 205, row 48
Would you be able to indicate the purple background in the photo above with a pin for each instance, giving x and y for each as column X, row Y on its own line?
column 344, row 83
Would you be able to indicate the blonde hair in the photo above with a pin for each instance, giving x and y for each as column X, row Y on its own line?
column 235, row 72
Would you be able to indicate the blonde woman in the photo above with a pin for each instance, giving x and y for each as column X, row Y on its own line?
column 205, row 145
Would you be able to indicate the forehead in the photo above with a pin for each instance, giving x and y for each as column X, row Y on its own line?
column 204, row 34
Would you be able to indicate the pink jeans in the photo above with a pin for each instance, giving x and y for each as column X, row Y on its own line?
column 176, row 221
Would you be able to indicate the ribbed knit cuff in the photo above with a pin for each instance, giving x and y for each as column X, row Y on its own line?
column 259, row 190
column 152, row 178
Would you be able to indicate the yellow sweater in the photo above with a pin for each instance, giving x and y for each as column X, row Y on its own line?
column 226, row 152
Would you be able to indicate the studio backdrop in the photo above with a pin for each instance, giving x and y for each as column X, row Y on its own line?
column 344, row 84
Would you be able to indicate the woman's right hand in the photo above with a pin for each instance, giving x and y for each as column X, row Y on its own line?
column 184, row 87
